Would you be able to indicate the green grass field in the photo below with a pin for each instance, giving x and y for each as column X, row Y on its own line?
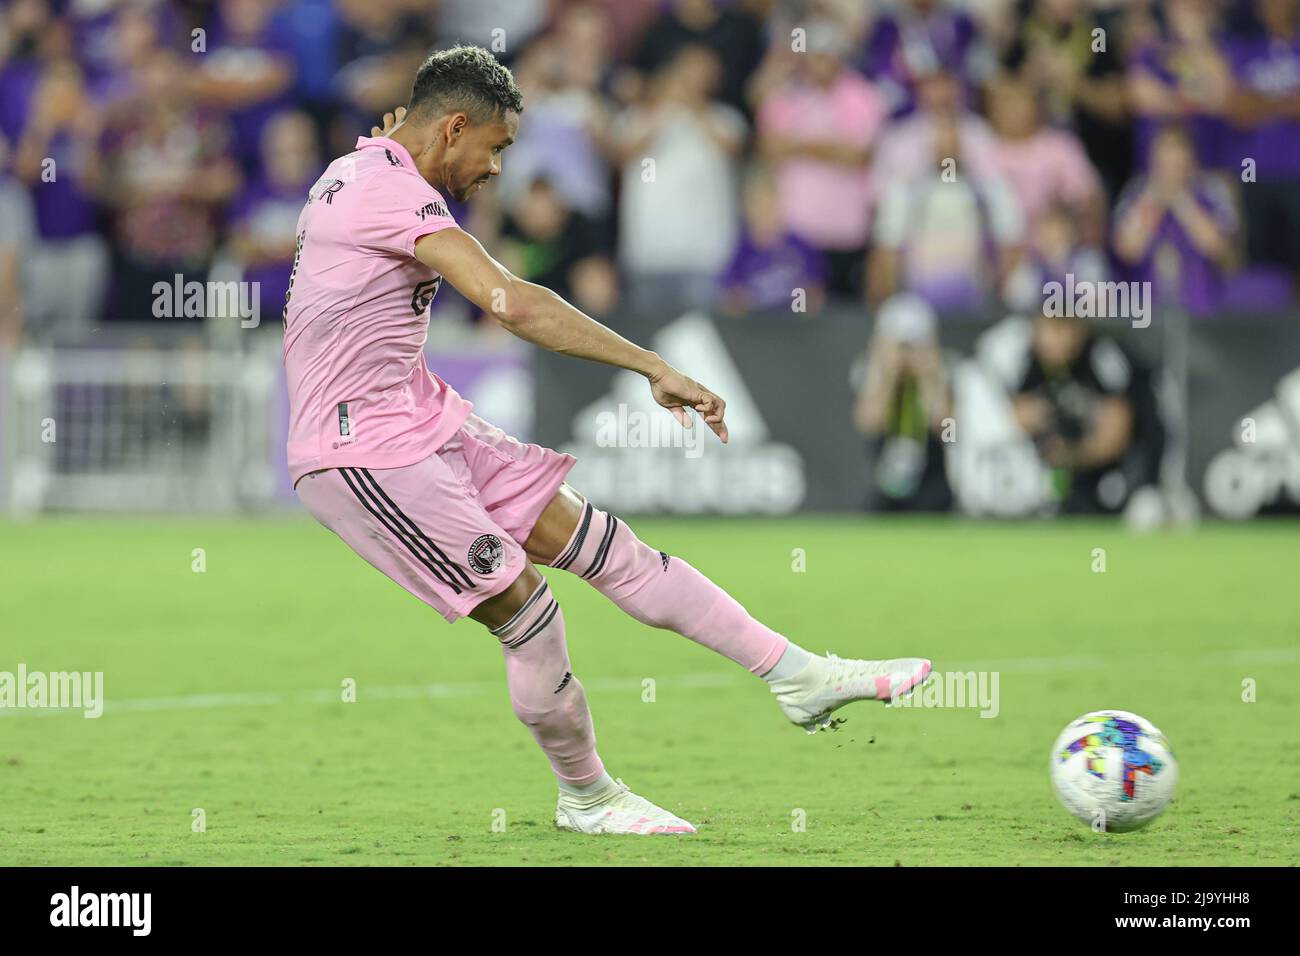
column 223, row 693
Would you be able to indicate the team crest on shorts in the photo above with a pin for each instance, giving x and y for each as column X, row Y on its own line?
column 486, row 553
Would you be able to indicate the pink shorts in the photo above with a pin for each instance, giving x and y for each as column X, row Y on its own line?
column 451, row 528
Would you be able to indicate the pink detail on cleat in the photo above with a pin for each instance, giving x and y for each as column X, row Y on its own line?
column 882, row 687
column 913, row 680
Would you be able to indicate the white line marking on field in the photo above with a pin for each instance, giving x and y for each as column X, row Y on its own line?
column 698, row 680
column 390, row 692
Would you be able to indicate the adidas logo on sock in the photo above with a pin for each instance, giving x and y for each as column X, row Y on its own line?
column 665, row 559
column 568, row 676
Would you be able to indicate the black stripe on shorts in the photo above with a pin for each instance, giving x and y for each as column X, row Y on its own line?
column 442, row 555
column 381, row 515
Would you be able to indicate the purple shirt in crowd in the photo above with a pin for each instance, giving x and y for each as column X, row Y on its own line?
column 1176, row 270
column 244, row 55
column 767, row 275
column 270, row 213
column 1161, row 60
column 905, row 46
column 1270, row 68
column 18, row 82
column 63, row 208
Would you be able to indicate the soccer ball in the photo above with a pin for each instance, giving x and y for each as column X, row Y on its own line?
column 1113, row 770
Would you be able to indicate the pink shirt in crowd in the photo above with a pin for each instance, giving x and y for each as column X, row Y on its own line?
column 357, row 318
column 1048, row 167
column 907, row 151
column 825, row 204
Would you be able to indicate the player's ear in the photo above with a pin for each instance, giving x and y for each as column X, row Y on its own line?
column 456, row 125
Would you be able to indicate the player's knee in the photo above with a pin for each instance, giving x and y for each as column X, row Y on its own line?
column 605, row 550
column 501, row 608
column 639, row 578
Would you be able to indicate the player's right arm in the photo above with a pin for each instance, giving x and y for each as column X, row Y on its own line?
column 536, row 314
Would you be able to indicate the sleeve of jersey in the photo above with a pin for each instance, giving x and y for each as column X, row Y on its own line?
column 398, row 210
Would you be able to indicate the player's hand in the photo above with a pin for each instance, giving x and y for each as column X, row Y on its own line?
column 675, row 392
column 391, row 121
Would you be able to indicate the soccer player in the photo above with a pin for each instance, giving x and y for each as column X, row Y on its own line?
column 388, row 456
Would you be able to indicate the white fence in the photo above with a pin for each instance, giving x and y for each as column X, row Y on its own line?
column 181, row 428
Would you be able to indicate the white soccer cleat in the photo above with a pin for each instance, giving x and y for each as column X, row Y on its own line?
column 828, row 683
column 616, row 810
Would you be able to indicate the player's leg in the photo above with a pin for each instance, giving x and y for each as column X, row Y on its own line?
column 666, row 592
column 423, row 527
column 550, row 702
column 651, row 586
column 545, row 695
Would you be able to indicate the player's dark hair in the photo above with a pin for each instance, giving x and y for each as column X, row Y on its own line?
column 467, row 79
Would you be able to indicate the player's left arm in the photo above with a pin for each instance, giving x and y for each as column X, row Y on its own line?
column 536, row 314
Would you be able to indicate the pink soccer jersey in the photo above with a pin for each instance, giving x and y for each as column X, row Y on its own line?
column 356, row 318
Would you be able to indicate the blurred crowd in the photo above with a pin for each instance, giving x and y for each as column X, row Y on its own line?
column 1088, row 410
column 738, row 155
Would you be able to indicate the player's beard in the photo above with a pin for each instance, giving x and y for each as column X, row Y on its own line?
column 472, row 188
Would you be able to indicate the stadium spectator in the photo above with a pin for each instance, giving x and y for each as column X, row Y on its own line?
column 17, row 231
column 917, row 38
column 1056, row 251
column 817, row 126
column 58, row 158
column 505, row 27
column 903, row 403
column 1075, row 54
column 772, row 269
column 566, row 137
column 1265, row 107
column 547, row 242
column 26, row 30
column 678, row 217
column 381, row 45
column 264, row 217
column 113, row 43
column 730, row 31
column 1182, row 76
column 314, row 28
column 998, row 24
column 939, row 107
column 171, row 174
column 1080, row 400
column 1043, row 166
column 1075, row 66
column 1174, row 226
column 948, row 228
column 247, row 71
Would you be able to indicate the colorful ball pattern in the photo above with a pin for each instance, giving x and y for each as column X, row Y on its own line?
column 1113, row 770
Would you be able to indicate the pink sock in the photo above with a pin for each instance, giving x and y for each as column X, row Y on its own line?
column 666, row 592
column 546, row 696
